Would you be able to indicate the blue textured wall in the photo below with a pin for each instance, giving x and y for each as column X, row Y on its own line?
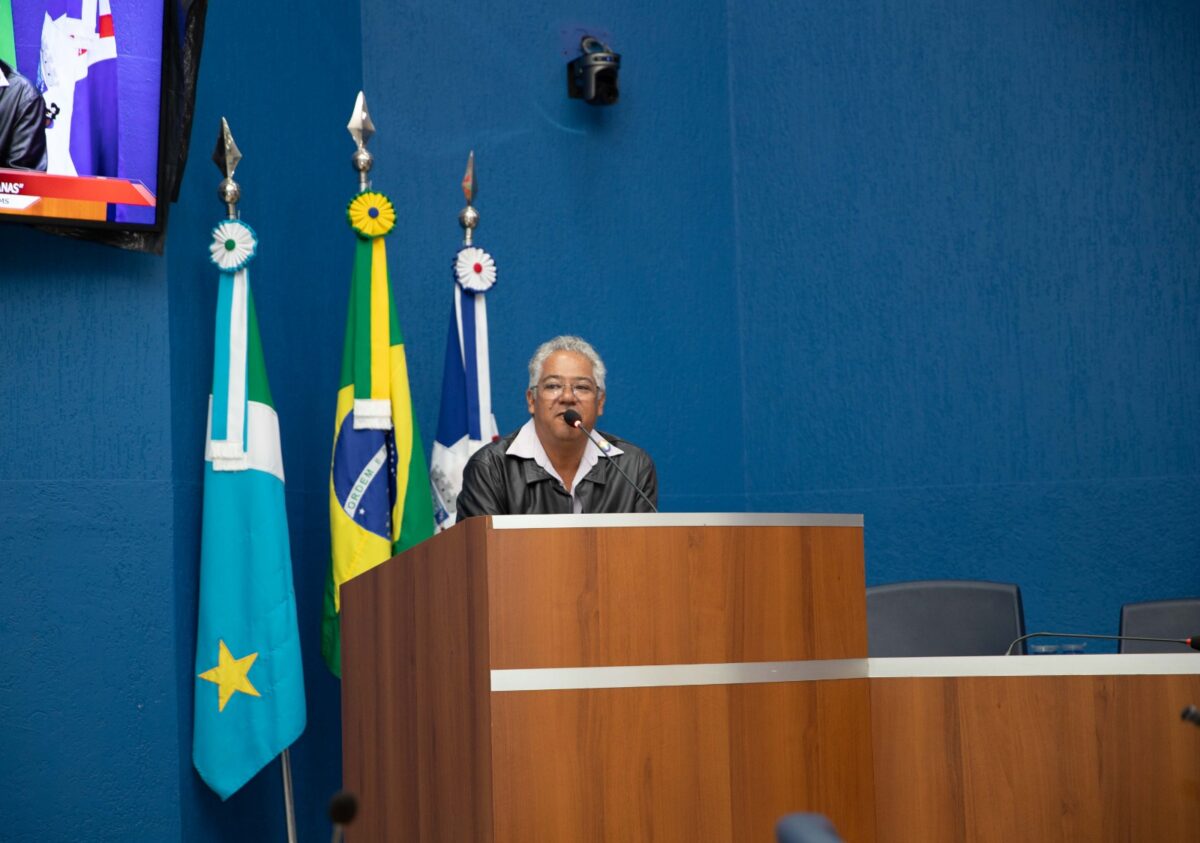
column 88, row 693
column 932, row 262
column 968, row 264
column 612, row 223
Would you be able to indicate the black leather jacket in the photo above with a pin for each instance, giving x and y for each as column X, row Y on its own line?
column 495, row 483
column 22, row 123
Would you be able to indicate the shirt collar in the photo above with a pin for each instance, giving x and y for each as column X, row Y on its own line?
column 526, row 445
column 3, row 79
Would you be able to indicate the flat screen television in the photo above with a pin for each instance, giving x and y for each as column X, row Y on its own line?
column 95, row 69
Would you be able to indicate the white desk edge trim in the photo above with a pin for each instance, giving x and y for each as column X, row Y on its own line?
column 746, row 673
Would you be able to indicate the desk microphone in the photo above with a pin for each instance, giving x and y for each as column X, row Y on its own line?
column 573, row 418
column 342, row 808
column 1191, row 714
column 1193, row 642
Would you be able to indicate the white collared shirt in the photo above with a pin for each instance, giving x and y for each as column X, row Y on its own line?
column 527, row 446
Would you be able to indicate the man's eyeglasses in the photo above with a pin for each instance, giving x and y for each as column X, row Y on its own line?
column 582, row 390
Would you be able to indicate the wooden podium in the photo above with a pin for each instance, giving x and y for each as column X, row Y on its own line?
column 695, row 677
column 605, row 678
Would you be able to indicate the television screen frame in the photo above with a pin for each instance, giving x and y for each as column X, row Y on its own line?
column 142, row 235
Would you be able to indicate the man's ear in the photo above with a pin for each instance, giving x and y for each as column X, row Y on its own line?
column 529, row 400
column 600, row 405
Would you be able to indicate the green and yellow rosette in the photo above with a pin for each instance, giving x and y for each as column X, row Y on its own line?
column 371, row 215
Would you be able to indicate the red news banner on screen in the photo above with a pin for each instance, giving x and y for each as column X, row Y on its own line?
column 22, row 191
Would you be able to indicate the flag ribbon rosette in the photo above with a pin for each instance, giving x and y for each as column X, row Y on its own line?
column 372, row 216
column 232, row 249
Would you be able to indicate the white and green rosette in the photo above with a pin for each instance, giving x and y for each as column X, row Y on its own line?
column 234, row 245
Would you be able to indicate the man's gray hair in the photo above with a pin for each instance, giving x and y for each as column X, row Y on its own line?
column 566, row 343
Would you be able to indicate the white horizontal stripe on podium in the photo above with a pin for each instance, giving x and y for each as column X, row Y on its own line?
column 670, row 675
column 675, row 519
column 815, row 670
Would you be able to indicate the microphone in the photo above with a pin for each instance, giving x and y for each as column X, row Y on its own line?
column 1193, row 642
column 573, row 418
column 1191, row 714
column 342, row 808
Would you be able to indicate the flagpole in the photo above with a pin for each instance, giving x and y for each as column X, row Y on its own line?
column 289, row 804
column 226, row 156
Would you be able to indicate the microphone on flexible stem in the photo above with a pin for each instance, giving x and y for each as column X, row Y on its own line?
column 1191, row 714
column 1193, row 642
column 342, row 808
column 573, row 418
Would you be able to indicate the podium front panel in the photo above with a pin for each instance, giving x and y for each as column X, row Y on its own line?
column 438, row 754
column 675, row 595
column 704, row 764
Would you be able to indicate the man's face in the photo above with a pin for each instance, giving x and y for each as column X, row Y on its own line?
column 566, row 383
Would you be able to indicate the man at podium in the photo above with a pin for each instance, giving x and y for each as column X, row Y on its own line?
column 550, row 465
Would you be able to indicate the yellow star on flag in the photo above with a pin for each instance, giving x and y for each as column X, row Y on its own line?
column 230, row 676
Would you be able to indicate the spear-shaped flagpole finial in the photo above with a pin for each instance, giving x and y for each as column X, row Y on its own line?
column 226, row 156
column 468, row 217
column 361, row 129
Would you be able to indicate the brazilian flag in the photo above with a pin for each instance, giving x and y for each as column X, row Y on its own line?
column 379, row 494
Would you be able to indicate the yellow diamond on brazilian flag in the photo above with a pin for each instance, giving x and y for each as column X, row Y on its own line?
column 379, row 498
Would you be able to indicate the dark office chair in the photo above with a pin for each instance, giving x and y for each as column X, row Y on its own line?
column 1160, row 619
column 944, row 618
column 806, row 828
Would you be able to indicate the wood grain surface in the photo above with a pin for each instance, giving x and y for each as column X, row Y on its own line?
column 705, row 763
column 415, row 692
column 1068, row 758
column 675, row 595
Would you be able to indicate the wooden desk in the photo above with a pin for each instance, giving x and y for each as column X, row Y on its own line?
column 1036, row 748
column 694, row 677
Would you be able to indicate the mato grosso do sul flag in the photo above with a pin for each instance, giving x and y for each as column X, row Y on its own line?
column 249, row 703
column 379, row 497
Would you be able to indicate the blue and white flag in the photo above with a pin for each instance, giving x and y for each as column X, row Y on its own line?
column 465, row 423
column 249, row 682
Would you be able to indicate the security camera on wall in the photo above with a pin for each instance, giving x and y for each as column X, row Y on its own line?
column 592, row 77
